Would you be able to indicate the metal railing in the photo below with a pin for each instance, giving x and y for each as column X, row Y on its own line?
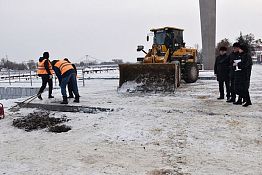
column 97, row 69
column 16, row 76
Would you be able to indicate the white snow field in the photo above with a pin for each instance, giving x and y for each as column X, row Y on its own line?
column 188, row 132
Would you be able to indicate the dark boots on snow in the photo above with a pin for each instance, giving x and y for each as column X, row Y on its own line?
column 39, row 96
column 50, row 96
column 238, row 102
column 71, row 95
column 246, row 104
column 231, row 100
column 65, row 101
column 76, row 99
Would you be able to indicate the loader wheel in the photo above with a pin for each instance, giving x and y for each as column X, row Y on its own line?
column 190, row 73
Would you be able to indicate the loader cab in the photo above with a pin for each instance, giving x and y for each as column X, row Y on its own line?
column 169, row 37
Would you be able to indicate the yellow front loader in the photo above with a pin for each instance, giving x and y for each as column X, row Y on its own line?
column 164, row 64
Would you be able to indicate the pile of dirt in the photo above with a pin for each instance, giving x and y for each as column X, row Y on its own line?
column 59, row 128
column 40, row 120
column 165, row 172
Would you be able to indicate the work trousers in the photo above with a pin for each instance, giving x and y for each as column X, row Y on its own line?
column 65, row 80
column 70, row 89
column 45, row 80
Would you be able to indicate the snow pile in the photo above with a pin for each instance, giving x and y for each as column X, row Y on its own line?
column 129, row 86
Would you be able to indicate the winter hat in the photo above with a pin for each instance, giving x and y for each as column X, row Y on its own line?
column 236, row 45
column 54, row 62
column 46, row 55
column 223, row 48
column 243, row 47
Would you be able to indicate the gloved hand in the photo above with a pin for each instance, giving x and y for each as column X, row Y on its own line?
column 50, row 76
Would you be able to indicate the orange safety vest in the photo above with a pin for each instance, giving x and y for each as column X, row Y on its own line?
column 41, row 68
column 63, row 66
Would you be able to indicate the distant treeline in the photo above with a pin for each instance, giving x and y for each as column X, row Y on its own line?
column 114, row 61
column 249, row 41
column 16, row 66
column 31, row 64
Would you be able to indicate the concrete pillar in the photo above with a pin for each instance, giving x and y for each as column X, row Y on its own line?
column 208, row 30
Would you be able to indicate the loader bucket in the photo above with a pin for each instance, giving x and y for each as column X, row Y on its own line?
column 150, row 77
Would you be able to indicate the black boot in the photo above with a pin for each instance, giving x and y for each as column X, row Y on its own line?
column 231, row 100
column 220, row 98
column 228, row 96
column 64, row 100
column 239, row 102
column 39, row 96
column 247, row 104
column 76, row 99
column 247, row 101
column 50, row 96
column 71, row 95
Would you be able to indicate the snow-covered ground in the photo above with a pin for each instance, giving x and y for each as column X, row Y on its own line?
column 188, row 131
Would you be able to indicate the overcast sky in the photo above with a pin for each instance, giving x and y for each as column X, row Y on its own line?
column 108, row 29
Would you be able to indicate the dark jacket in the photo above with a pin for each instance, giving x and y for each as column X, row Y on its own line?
column 233, row 56
column 242, row 77
column 222, row 67
column 246, row 66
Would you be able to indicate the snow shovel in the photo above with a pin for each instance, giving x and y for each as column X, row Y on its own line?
column 23, row 103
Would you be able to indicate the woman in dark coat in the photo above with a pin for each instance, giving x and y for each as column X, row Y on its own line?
column 242, row 76
column 221, row 70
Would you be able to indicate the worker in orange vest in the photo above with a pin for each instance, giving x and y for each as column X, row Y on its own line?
column 69, row 85
column 67, row 73
column 46, row 72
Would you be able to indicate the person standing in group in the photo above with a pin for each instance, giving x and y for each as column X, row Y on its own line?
column 70, row 85
column 221, row 70
column 68, row 74
column 242, row 76
column 233, row 56
column 46, row 72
